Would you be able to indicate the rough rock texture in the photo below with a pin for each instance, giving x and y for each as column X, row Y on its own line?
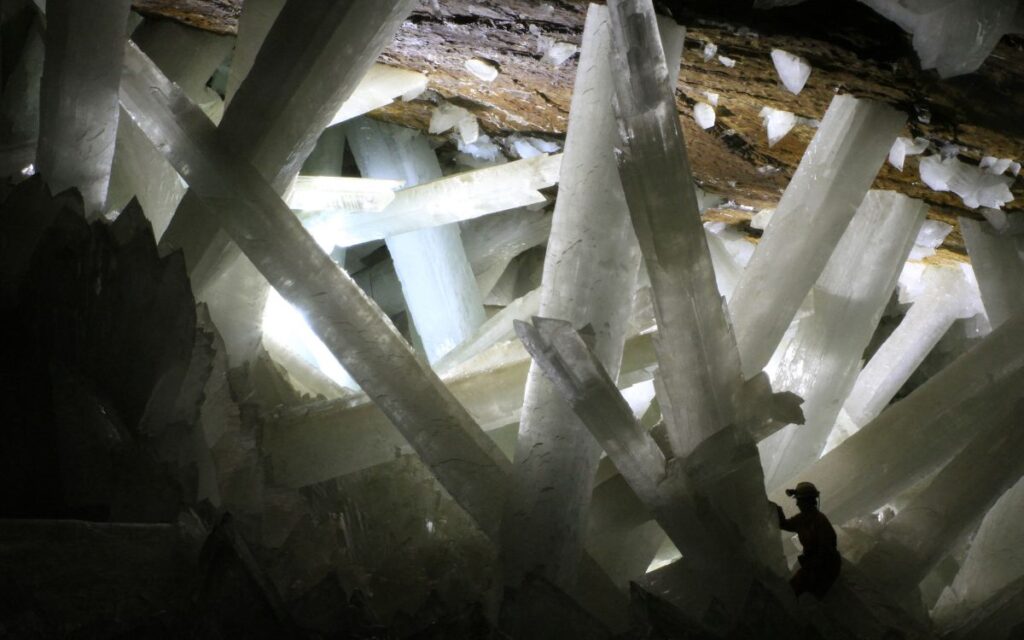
column 849, row 48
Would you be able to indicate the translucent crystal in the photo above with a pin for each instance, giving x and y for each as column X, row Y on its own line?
column 940, row 38
column 78, row 110
column 353, row 328
column 931, row 523
column 914, row 437
column 975, row 187
column 822, row 359
column 704, row 114
column 821, row 199
column 726, row 61
column 999, row 267
column 793, row 70
column 312, row 193
column 482, row 69
column 904, row 147
column 441, row 201
column 437, row 281
column 558, row 52
column 380, row 87
column 929, row 238
column 777, row 123
column 988, row 567
column 939, row 304
column 448, row 116
column 710, row 51
column 589, row 277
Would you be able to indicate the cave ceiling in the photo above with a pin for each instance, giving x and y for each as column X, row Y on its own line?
column 849, row 47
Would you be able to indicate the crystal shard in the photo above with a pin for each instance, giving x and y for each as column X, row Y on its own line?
column 78, row 103
column 828, row 186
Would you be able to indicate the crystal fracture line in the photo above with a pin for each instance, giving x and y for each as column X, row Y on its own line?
column 829, row 184
column 78, row 106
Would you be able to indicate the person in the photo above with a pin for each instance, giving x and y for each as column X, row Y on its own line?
column 820, row 561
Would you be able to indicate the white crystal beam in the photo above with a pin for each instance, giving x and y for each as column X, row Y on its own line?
column 188, row 57
column 820, row 363
column 584, row 384
column 999, row 267
column 308, row 446
column 929, row 318
column 78, row 104
column 443, row 200
column 437, row 280
column 917, row 435
column 925, row 529
column 589, row 278
column 466, row 462
column 829, row 184
column 313, row 56
column 699, row 365
column 311, row 194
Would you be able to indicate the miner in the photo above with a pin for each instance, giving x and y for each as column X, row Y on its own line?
column 820, row 560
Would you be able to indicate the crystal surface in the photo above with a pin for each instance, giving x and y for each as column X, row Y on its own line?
column 999, row 266
column 188, row 57
column 482, row 69
column 904, row 147
column 437, row 280
column 349, row 323
column 931, row 523
column 821, row 361
column 440, row 201
column 988, row 566
column 939, row 304
column 829, row 184
column 78, row 96
column 589, row 278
